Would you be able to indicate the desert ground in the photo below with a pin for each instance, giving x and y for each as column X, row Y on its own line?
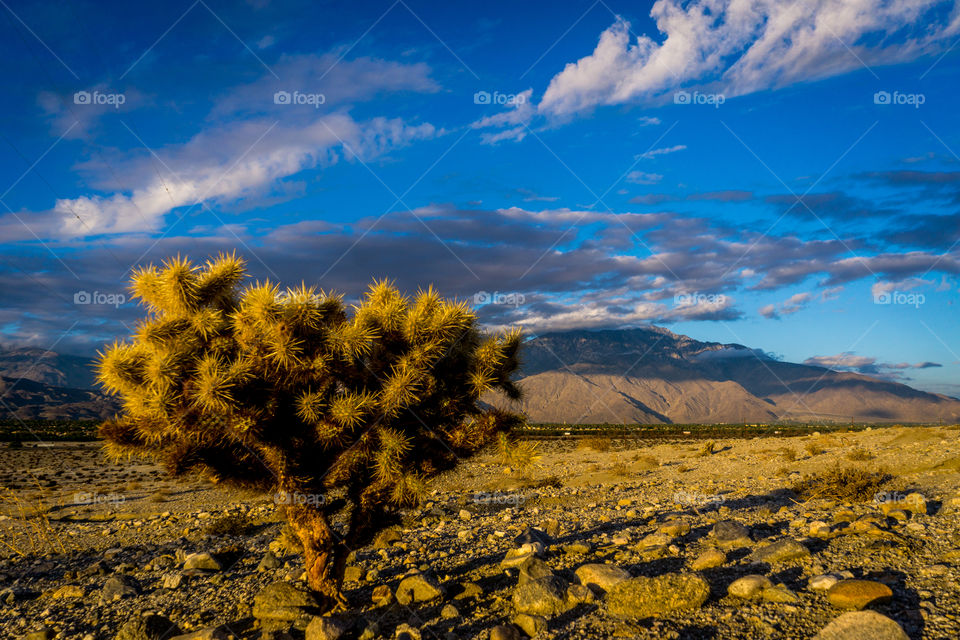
column 601, row 538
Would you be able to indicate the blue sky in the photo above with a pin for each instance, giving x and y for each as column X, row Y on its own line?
column 777, row 174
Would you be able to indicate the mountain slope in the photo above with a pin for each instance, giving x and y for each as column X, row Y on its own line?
column 652, row 375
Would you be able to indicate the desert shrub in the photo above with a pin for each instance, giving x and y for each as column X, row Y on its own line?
column 842, row 483
column 595, row 443
column 519, row 455
column 813, row 448
column 159, row 496
column 859, row 455
column 620, row 470
column 232, row 525
column 788, row 454
column 707, row 449
column 645, row 461
column 292, row 393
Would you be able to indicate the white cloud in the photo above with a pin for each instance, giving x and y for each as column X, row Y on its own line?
column 514, row 119
column 640, row 177
column 653, row 153
column 791, row 305
column 223, row 164
column 741, row 46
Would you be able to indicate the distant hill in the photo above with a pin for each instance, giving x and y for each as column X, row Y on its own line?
column 37, row 383
column 651, row 375
column 47, row 367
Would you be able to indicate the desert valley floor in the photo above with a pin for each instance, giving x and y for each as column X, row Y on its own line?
column 120, row 549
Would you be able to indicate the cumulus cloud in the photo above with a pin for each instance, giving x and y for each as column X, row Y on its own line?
column 737, row 47
column 791, row 305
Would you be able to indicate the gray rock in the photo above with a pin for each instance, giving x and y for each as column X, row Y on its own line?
column 282, row 601
column 730, row 532
column 419, row 587
column 862, row 625
column 270, row 561
column 646, row 597
column 204, row 561
column 119, row 586
column 578, row 593
column 544, row 597
column 531, row 535
column 43, row 633
column 749, row 586
column 449, row 612
column 534, row 569
column 709, row 559
column 326, row 628
column 780, row 551
column 530, row 624
column 505, row 632
column 207, row 633
column 149, row 627
column 601, row 577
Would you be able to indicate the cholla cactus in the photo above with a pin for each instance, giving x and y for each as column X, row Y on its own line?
column 289, row 392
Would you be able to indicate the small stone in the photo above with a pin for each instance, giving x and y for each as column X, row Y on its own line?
column 780, row 551
column 551, row 527
column 505, row 632
column 858, row 594
column 601, row 577
column 465, row 515
column 326, row 628
column 284, row 602
column 43, row 633
column 675, row 528
column 119, row 586
column 534, row 569
column 69, row 591
column 580, row 594
column 731, row 533
column 206, row 633
column 862, row 625
column 352, row 574
column 530, row 624
column 638, row 598
column 149, row 627
column 709, row 559
column 546, row 597
column 419, row 587
column 779, row 594
column 449, row 612
column 204, row 561
column 269, row 562
column 822, row 582
column 533, row 535
column 406, row 632
column 382, row 595
column 749, row 587
column 172, row 580
column 577, row 548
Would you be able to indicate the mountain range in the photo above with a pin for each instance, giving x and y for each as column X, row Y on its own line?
column 643, row 375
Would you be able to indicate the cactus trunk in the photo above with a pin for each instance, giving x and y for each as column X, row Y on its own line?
column 324, row 556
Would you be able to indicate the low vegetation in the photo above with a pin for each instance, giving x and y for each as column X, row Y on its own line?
column 842, row 483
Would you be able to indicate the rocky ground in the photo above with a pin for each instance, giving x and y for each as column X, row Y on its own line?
column 644, row 540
